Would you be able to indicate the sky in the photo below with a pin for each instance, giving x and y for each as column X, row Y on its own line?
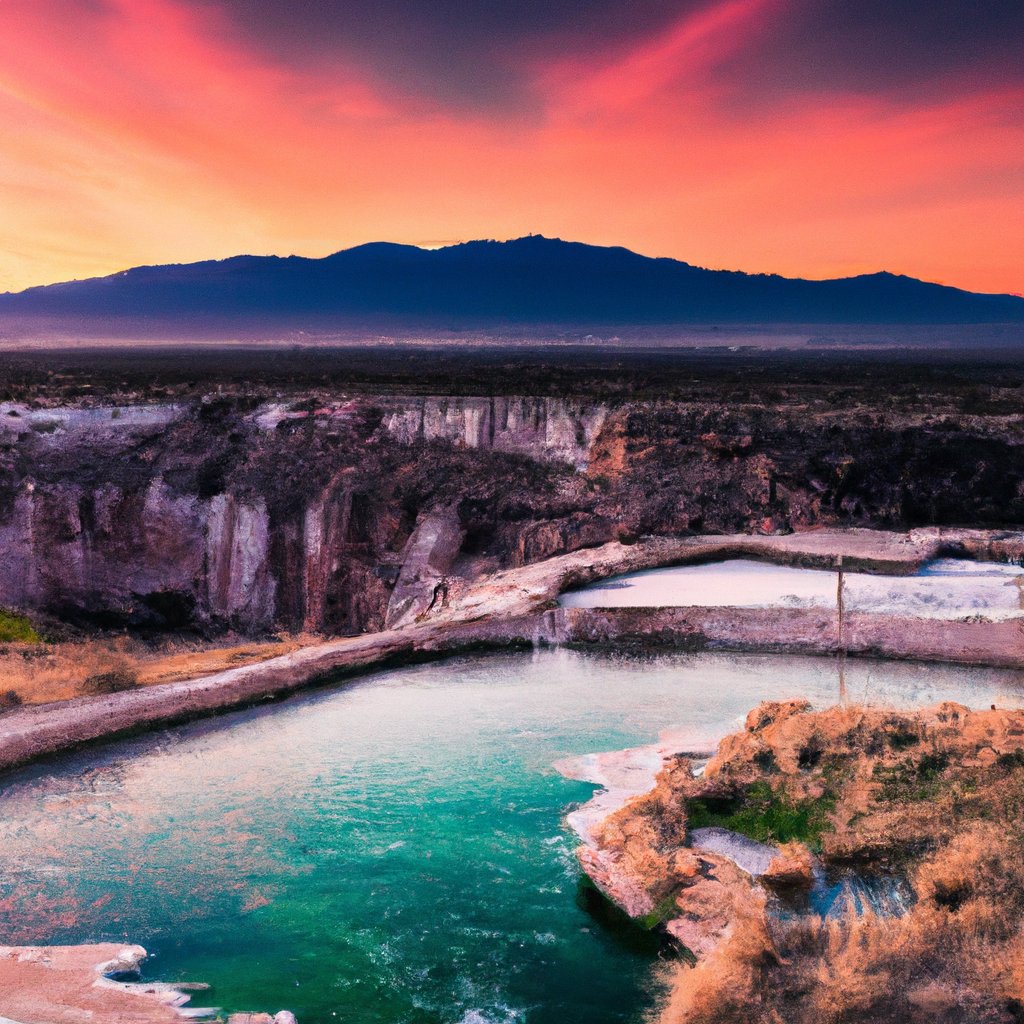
column 814, row 138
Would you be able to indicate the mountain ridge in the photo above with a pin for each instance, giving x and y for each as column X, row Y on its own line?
column 532, row 279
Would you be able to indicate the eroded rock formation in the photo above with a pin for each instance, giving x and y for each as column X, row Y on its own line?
column 247, row 512
column 929, row 799
column 426, row 558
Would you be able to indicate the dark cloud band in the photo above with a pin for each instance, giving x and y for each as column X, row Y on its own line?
column 481, row 53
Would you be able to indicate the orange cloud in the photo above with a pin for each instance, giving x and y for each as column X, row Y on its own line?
column 137, row 131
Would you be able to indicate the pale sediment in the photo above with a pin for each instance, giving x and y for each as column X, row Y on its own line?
column 753, row 857
column 69, row 985
column 517, row 591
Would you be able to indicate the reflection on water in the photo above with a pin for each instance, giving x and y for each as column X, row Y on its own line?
column 393, row 850
column 944, row 589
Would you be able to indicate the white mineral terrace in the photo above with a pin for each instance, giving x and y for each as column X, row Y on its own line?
column 948, row 589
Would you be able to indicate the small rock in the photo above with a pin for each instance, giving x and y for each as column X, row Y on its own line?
column 126, row 962
column 684, row 864
column 745, row 853
column 770, row 712
column 284, row 1017
column 794, row 866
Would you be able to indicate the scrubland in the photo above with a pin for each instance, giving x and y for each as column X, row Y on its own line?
column 933, row 801
column 39, row 672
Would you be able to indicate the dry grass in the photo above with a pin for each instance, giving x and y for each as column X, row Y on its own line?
column 936, row 964
column 939, row 794
column 42, row 673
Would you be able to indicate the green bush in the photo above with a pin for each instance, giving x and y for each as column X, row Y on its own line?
column 15, row 628
column 910, row 780
column 761, row 813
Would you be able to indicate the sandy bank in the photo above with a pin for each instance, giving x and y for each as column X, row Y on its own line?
column 67, row 985
column 73, row 985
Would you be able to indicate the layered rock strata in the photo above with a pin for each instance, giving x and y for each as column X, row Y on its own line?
column 243, row 512
column 552, row 428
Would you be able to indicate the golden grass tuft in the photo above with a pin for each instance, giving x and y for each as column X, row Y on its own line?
column 40, row 673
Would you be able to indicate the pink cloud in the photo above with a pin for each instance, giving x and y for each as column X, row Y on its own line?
column 141, row 132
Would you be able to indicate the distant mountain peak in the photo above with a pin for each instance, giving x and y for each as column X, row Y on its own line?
column 530, row 279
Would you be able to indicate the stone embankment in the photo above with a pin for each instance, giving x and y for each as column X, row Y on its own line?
column 517, row 591
column 438, row 616
column 30, row 732
column 799, row 631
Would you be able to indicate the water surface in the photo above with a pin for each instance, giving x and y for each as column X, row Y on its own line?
column 393, row 850
column 946, row 588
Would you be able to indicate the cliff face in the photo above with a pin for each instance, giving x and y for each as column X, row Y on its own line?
column 300, row 515
column 252, row 513
column 550, row 428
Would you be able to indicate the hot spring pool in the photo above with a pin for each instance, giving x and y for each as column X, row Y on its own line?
column 947, row 588
column 393, row 850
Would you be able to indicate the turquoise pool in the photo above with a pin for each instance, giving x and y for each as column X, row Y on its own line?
column 392, row 850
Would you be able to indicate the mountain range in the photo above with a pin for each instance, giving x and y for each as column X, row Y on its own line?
column 484, row 283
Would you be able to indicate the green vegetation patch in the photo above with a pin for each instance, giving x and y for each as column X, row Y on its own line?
column 911, row 780
column 664, row 911
column 901, row 738
column 765, row 814
column 15, row 628
column 1011, row 761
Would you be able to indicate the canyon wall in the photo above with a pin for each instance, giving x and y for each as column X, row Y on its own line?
column 339, row 514
column 552, row 428
column 80, row 541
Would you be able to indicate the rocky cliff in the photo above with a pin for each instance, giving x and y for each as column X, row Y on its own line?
column 255, row 512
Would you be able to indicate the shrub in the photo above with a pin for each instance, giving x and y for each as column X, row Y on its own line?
column 15, row 628
column 118, row 679
column 9, row 699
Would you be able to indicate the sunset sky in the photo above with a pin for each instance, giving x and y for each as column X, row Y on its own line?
column 818, row 138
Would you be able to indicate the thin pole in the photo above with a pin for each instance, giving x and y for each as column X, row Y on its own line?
column 839, row 638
